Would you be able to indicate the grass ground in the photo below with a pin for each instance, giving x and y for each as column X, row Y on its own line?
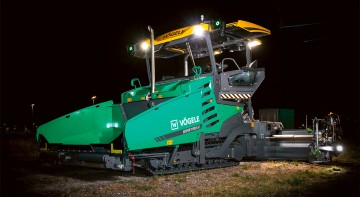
column 21, row 170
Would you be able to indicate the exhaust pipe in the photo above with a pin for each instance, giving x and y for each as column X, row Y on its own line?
column 152, row 59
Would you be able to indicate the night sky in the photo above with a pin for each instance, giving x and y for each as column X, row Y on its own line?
column 58, row 54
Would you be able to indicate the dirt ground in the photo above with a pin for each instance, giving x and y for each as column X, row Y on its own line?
column 26, row 176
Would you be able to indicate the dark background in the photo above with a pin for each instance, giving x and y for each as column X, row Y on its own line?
column 58, row 54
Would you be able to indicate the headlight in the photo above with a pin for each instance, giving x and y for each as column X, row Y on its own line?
column 198, row 30
column 144, row 46
column 254, row 43
column 339, row 148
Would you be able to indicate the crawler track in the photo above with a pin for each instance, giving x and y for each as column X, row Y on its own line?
column 187, row 167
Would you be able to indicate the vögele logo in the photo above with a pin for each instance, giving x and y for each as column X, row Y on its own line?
column 174, row 124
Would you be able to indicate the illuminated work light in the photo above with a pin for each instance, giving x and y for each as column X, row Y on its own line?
column 217, row 52
column 198, row 30
column 254, row 43
column 339, row 148
column 144, row 46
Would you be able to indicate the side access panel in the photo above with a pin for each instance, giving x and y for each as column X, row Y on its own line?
column 179, row 120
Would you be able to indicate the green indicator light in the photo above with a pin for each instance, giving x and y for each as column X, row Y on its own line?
column 130, row 48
